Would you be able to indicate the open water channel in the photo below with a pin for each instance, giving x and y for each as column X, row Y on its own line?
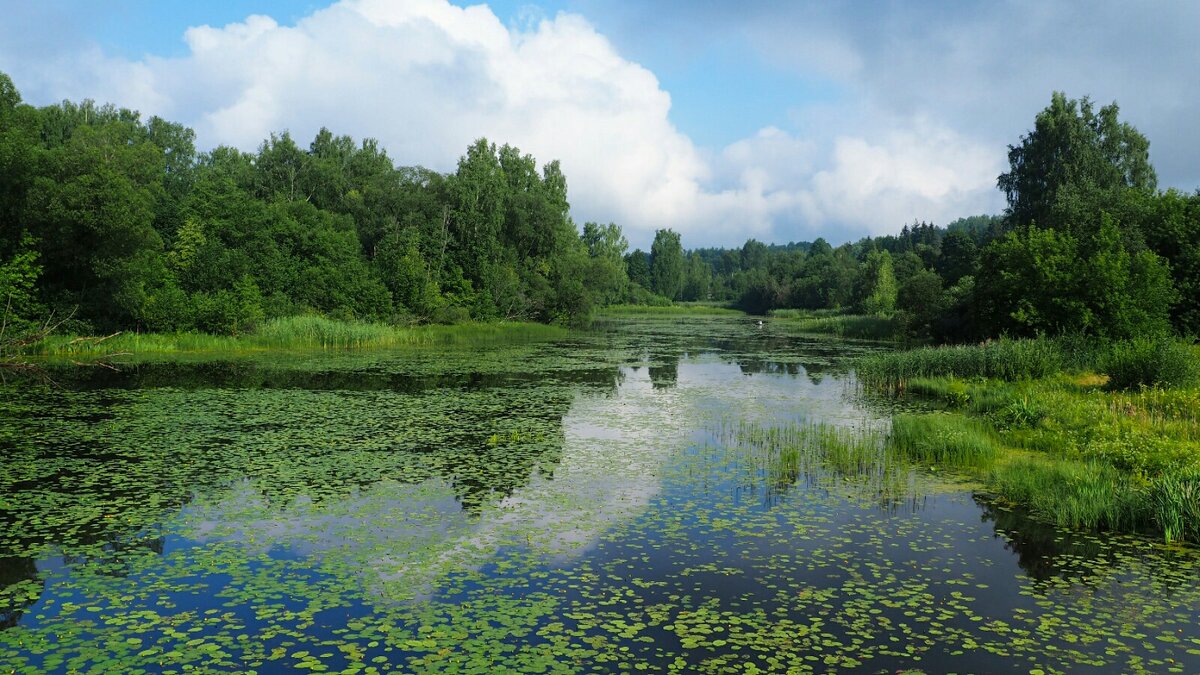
column 627, row 499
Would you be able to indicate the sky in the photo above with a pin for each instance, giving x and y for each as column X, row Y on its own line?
column 780, row 121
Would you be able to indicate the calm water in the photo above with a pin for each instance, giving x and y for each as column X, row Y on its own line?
column 604, row 503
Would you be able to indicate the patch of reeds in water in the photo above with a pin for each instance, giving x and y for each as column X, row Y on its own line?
column 299, row 332
column 857, row 458
column 1000, row 359
column 857, row 326
column 694, row 309
column 946, row 440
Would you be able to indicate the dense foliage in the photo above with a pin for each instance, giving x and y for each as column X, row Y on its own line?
column 120, row 223
column 1087, row 246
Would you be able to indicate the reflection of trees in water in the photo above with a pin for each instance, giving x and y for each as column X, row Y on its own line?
column 142, row 452
column 1046, row 552
column 14, row 571
column 117, row 552
column 664, row 369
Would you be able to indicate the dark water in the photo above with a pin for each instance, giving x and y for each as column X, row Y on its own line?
column 603, row 503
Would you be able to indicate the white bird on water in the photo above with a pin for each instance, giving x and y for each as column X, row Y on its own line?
column 760, row 323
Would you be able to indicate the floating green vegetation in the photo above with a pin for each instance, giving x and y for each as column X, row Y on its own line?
column 299, row 332
column 540, row 508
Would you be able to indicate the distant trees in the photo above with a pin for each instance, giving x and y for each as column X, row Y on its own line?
column 122, row 220
column 1086, row 246
column 123, row 223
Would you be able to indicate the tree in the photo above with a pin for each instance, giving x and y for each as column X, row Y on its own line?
column 1045, row 281
column 959, row 258
column 921, row 302
column 1171, row 228
column 879, row 284
column 1072, row 157
column 637, row 265
column 697, row 278
column 666, row 264
column 606, row 274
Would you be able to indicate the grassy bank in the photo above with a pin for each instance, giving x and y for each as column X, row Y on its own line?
column 679, row 308
column 828, row 322
column 1084, row 435
column 298, row 332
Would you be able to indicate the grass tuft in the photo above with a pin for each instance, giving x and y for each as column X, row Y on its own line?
column 949, row 440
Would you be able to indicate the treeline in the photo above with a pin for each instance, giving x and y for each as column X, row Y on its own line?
column 1087, row 245
column 121, row 224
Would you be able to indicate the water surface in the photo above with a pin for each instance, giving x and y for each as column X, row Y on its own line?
column 601, row 503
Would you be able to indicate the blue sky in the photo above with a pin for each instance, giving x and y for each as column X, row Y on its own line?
column 780, row 121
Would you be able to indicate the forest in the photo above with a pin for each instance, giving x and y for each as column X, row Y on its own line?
column 120, row 224
column 1088, row 245
column 110, row 222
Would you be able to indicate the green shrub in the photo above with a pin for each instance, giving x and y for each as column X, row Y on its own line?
column 1148, row 362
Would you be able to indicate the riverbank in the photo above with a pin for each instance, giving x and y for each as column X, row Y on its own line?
column 297, row 332
column 1102, row 437
column 839, row 324
column 679, row 308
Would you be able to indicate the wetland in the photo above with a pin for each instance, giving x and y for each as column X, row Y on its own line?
column 661, row 494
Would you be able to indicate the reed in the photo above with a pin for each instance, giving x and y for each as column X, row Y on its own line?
column 691, row 309
column 297, row 333
column 1002, row 359
column 1078, row 494
column 944, row 439
column 856, row 326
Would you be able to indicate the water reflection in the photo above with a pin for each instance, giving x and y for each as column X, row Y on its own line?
column 549, row 499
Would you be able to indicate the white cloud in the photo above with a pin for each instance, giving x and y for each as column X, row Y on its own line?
column 426, row 78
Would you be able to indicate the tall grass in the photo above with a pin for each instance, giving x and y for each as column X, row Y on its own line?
column 858, row 457
column 859, row 326
column 1174, row 503
column 694, row 309
column 1091, row 495
column 1147, row 362
column 299, row 332
column 949, row 440
column 1001, row 359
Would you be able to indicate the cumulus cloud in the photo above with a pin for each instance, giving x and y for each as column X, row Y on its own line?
column 426, row 78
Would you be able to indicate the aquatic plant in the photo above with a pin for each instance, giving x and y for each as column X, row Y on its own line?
column 1002, row 359
column 857, row 326
column 1079, row 494
column 299, row 332
column 943, row 439
column 692, row 309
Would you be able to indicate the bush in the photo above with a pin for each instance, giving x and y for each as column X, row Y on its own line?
column 1148, row 362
